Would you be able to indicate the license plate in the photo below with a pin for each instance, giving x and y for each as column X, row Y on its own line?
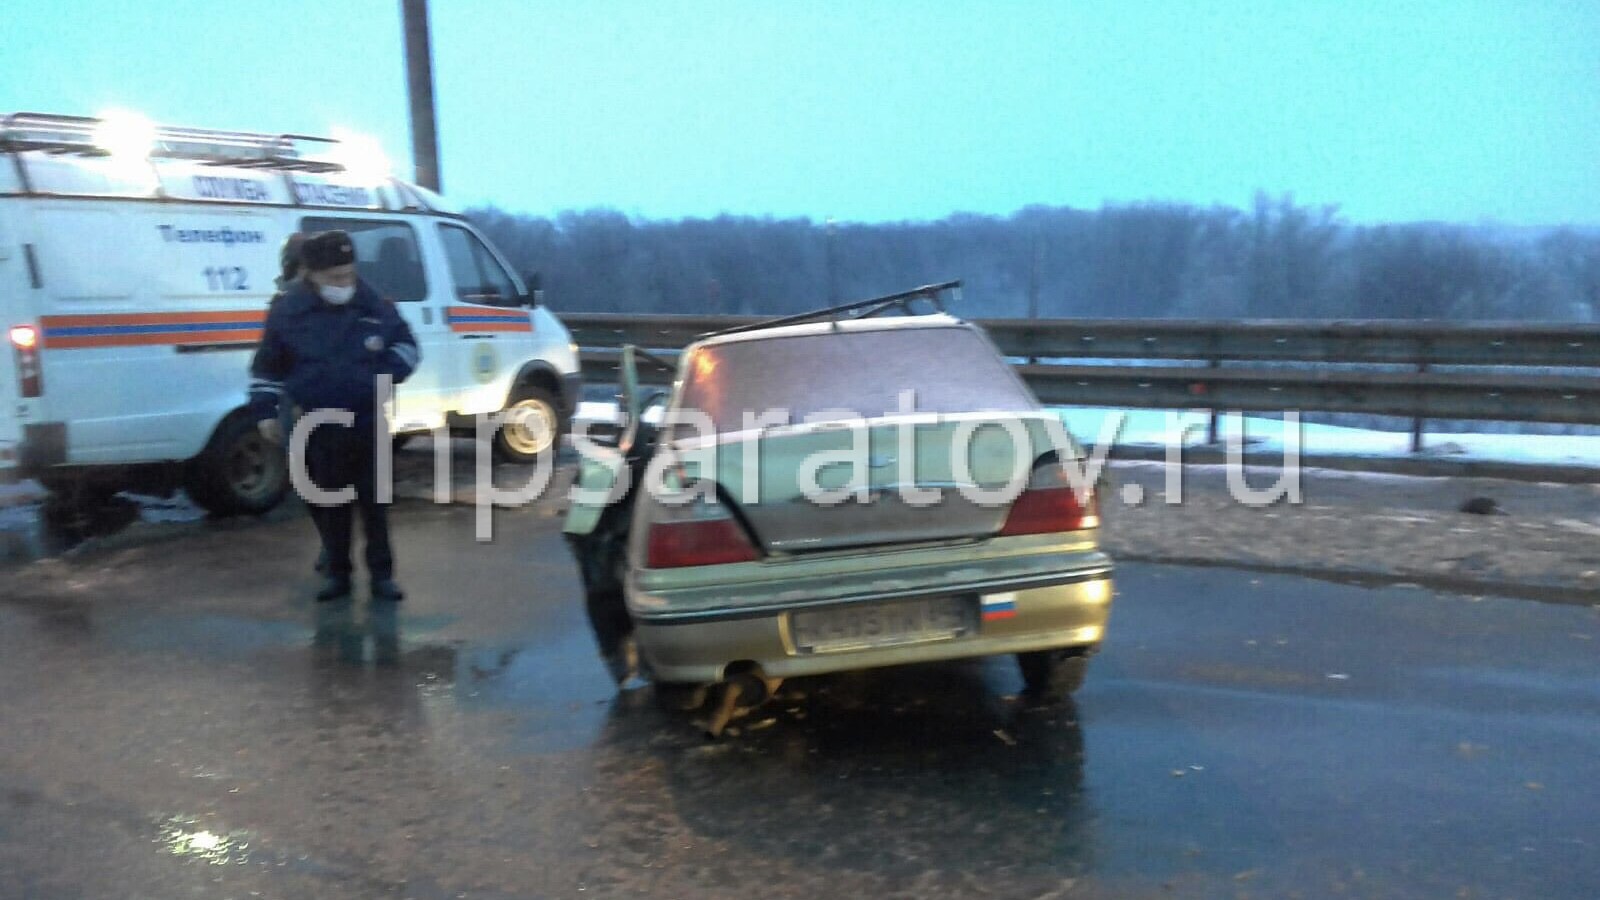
column 863, row 625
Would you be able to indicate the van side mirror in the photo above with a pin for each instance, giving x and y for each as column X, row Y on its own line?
column 534, row 288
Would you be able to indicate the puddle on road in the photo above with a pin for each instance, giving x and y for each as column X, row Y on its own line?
column 201, row 634
column 185, row 837
column 941, row 763
column 380, row 658
column 1524, row 684
column 188, row 839
column 932, row 757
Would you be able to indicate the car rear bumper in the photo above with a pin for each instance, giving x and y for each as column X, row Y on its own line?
column 1070, row 612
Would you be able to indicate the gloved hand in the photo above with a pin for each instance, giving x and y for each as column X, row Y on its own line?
column 271, row 429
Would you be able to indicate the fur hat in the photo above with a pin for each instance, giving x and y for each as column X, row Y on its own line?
column 327, row 249
column 289, row 261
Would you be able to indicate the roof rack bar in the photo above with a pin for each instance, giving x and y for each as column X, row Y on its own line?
column 871, row 307
column 57, row 133
column 87, row 124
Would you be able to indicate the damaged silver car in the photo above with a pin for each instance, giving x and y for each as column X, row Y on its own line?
column 840, row 490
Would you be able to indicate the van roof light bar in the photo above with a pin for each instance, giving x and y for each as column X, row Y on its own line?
column 61, row 134
column 861, row 309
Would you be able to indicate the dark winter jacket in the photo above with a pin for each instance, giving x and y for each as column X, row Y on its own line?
column 317, row 355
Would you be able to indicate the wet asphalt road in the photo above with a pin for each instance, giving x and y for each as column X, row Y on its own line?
column 180, row 720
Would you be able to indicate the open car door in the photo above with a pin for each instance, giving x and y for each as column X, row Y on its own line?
column 602, row 463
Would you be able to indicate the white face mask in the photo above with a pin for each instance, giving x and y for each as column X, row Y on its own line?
column 338, row 296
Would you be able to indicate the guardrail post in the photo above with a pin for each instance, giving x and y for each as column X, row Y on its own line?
column 1212, row 423
column 1417, row 422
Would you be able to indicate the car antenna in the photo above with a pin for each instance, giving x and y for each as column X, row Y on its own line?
column 860, row 309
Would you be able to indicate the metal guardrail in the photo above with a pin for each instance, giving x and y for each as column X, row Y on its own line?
column 1218, row 365
column 1407, row 343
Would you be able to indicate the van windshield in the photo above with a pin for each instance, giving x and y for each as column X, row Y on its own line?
column 837, row 375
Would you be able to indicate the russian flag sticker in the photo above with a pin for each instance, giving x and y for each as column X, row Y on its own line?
column 998, row 606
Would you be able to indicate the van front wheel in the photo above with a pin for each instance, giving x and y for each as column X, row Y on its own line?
column 532, row 427
column 239, row 472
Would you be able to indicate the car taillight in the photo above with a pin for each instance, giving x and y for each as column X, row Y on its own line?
column 30, row 378
column 700, row 533
column 1050, row 504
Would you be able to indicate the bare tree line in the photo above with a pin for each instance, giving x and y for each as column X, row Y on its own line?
column 1275, row 260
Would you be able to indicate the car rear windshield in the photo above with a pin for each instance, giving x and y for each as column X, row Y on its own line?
column 834, row 375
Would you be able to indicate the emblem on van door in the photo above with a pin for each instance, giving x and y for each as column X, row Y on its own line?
column 484, row 363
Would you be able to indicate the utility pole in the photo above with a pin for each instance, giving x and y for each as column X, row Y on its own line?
column 419, row 85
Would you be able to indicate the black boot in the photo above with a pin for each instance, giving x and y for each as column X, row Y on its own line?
column 334, row 587
column 385, row 590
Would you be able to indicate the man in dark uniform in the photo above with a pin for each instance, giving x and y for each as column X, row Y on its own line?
column 289, row 265
column 327, row 340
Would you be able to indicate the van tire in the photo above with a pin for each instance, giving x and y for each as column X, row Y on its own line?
column 525, row 441
column 239, row 472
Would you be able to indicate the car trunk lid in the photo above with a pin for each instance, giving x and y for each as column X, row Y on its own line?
column 888, row 480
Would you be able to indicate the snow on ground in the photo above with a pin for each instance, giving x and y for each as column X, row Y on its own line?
column 1164, row 428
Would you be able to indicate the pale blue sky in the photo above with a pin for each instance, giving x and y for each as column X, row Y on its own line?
column 1463, row 111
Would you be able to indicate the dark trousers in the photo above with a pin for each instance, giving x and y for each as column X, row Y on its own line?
column 601, row 555
column 338, row 456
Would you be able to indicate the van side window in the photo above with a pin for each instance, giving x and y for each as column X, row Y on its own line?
column 387, row 256
column 478, row 276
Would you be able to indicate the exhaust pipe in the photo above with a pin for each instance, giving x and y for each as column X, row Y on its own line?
column 746, row 688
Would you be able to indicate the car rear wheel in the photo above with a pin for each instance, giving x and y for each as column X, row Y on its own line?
column 532, row 427
column 1054, row 673
column 239, row 472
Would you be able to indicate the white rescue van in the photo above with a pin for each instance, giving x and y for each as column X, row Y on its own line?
column 136, row 266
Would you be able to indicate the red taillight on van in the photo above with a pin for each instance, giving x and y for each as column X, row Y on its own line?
column 30, row 378
column 699, row 533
